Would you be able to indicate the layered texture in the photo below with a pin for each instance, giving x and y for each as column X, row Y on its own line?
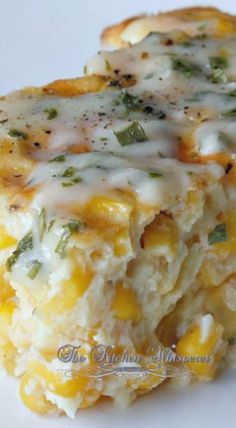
column 117, row 215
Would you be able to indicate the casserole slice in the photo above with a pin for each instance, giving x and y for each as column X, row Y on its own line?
column 117, row 218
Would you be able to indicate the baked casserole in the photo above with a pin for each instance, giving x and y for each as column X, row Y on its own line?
column 118, row 214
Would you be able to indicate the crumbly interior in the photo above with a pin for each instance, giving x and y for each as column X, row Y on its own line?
column 117, row 223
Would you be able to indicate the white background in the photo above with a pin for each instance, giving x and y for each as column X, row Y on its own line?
column 41, row 40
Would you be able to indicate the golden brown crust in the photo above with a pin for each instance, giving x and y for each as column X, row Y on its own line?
column 123, row 33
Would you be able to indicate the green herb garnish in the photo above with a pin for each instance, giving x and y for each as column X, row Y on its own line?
column 59, row 158
column 16, row 133
column 129, row 101
column 52, row 113
column 232, row 93
column 42, row 223
column 34, row 268
column 148, row 76
column 85, row 69
column 187, row 44
column 201, row 27
column 108, row 65
column 183, row 66
column 23, row 245
column 69, row 171
column 154, row 174
column 218, row 76
column 232, row 341
column 67, row 183
column 72, row 227
column 218, row 62
column 77, row 180
column 132, row 133
column 51, row 224
column 70, row 183
column 218, row 65
column 218, row 234
column 230, row 113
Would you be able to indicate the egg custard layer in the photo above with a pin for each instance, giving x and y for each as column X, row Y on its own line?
column 118, row 218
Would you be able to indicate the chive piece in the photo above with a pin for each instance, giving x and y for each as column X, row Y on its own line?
column 232, row 93
column 187, row 44
column 69, row 228
column 154, row 174
column 232, row 341
column 73, row 226
column 66, row 183
column 218, row 62
column 77, row 180
column 16, row 133
column 42, row 223
column 23, row 245
column 85, row 69
column 218, row 76
column 108, row 65
column 51, row 224
column 230, row 113
column 69, row 171
column 59, row 158
column 34, row 269
column 130, row 102
column 202, row 36
column 218, row 234
column 52, row 113
column 148, row 76
column 201, row 27
column 133, row 133
column 183, row 66
column 218, row 65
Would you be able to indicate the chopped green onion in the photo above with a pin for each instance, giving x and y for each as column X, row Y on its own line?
column 16, row 133
column 59, row 158
column 23, row 245
column 218, row 62
column 34, row 268
column 218, row 234
column 52, row 113
column 42, row 223
column 183, row 66
column 85, row 70
column 218, row 65
column 51, row 224
column 230, row 113
column 129, row 101
column 69, row 171
column 187, row 44
column 218, row 76
column 232, row 341
column 67, row 183
column 148, row 76
column 108, row 65
column 77, row 179
column 232, row 93
column 201, row 27
column 154, row 174
column 132, row 133
column 73, row 226
column 69, row 228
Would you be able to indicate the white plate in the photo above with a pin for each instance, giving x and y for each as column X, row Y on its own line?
column 48, row 39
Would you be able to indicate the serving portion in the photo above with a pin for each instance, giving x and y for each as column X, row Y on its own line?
column 118, row 224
